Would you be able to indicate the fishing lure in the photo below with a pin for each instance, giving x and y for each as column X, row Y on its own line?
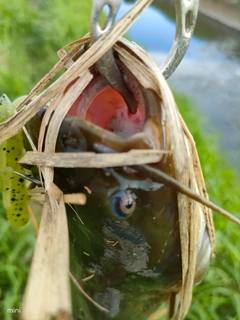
column 14, row 189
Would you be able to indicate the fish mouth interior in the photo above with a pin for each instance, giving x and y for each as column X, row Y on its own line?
column 103, row 106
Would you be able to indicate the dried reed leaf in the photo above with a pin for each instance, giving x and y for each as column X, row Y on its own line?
column 61, row 109
column 186, row 175
column 77, row 284
column 201, row 186
column 158, row 314
column 48, row 289
column 160, row 176
column 91, row 159
column 73, row 198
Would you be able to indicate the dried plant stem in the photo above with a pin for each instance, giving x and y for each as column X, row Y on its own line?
column 49, row 269
column 91, row 159
column 162, row 177
column 74, row 198
column 77, row 284
column 34, row 221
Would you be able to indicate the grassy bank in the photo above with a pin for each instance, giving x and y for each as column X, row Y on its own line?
column 30, row 35
column 31, row 32
column 218, row 296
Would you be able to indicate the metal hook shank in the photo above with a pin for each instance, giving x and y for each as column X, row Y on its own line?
column 186, row 16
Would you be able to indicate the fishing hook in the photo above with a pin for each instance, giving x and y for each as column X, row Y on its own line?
column 107, row 64
column 186, row 17
column 29, row 178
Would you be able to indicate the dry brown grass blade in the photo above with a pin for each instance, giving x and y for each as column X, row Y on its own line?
column 201, row 185
column 158, row 315
column 77, row 284
column 73, row 198
column 61, row 110
column 194, row 225
column 92, row 160
column 48, row 289
column 162, row 177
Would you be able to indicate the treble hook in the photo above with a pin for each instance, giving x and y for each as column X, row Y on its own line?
column 107, row 64
column 186, row 17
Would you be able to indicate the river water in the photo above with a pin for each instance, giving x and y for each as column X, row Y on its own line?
column 209, row 73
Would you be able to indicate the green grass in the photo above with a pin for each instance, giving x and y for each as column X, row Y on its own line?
column 31, row 32
column 15, row 256
column 218, row 296
column 30, row 35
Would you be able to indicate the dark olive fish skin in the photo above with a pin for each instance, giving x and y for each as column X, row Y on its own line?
column 136, row 262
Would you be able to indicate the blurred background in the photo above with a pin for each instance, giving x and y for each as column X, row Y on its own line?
column 206, row 88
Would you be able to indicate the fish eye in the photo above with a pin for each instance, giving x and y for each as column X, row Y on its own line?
column 123, row 203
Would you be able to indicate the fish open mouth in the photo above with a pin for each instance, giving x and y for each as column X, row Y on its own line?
column 99, row 119
column 101, row 115
column 103, row 106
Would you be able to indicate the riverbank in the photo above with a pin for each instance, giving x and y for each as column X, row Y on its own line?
column 226, row 12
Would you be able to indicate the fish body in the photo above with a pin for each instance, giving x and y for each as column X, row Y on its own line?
column 126, row 242
column 135, row 260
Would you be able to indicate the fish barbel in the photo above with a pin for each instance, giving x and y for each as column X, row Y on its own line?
column 126, row 252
